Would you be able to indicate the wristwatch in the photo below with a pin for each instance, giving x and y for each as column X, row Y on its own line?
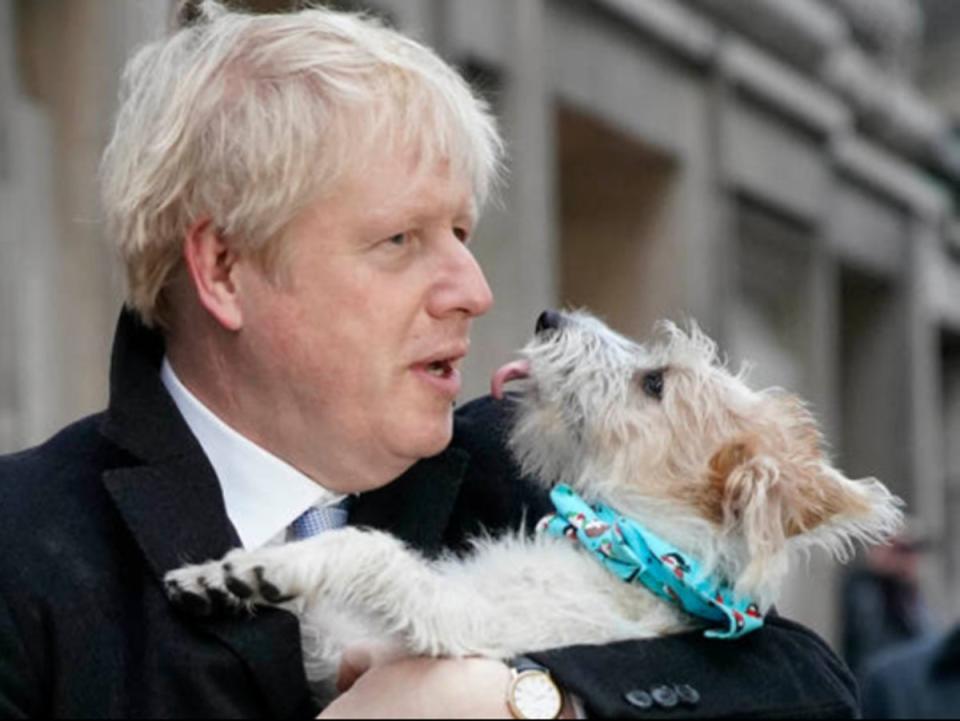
column 532, row 693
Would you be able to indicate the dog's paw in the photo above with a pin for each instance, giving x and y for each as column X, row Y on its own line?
column 239, row 581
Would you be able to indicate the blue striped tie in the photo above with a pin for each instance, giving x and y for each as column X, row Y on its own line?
column 317, row 520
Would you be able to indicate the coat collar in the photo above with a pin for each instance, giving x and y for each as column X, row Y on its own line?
column 417, row 506
column 142, row 418
column 171, row 502
column 160, row 493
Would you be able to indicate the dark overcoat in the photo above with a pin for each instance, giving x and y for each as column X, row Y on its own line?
column 92, row 520
column 918, row 679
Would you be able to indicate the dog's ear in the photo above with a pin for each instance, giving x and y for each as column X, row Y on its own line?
column 745, row 492
column 775, row 493
column 819, row 504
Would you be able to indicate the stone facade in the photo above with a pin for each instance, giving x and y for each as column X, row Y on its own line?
column 58, row 285
column 758, row 166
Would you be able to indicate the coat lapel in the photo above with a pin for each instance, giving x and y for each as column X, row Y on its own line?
column 159, row 503
column 417, row 506
column 168, row 494
column 171, row 502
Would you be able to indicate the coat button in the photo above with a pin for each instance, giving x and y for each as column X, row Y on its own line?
column 687, row 694
column 665, row 696
column 639, row 698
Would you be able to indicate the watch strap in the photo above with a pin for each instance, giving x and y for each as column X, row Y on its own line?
column 525, row 663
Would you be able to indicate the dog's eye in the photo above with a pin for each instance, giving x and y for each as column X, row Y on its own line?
column 653, row 384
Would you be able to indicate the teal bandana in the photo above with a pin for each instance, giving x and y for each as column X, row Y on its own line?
column 635, row 555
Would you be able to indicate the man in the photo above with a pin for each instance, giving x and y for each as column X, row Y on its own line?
column 293, row 198
column 882, row 602
column 917, row 679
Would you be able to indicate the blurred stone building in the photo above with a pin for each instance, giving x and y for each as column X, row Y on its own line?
column 784, row 172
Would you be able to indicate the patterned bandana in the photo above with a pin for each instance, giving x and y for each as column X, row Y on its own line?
column 634, row 554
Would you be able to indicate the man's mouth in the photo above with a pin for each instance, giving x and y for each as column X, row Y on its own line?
column 442, row 372
column 440, row 368
column 515, row 370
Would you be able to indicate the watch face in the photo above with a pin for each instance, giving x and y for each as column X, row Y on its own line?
column 535, row 695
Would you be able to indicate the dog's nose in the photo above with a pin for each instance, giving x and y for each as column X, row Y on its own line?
column 549, row 320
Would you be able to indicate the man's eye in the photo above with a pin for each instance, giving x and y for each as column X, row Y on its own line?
column 397, row 241
column 462, row 234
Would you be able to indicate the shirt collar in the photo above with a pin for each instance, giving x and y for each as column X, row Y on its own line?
column 262, row 493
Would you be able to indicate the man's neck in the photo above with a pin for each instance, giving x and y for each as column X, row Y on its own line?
column 262, row 493
column 216, row 383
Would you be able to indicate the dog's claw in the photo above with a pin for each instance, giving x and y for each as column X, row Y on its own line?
column 173, row 589
column 194, row 604
column 268, row 591
column 220, row 599
column 216, row 587
column 238, row 588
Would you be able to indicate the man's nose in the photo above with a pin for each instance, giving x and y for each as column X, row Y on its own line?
column 464, row 287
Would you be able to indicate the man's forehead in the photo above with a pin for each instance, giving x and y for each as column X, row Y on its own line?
column 387, row 188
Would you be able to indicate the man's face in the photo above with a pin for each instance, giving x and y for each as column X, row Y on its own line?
column 354, row 356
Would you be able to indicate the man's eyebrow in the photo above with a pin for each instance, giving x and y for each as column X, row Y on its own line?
column 469, row 217
column 419, row 210
column 468, row 209
column 422, row 214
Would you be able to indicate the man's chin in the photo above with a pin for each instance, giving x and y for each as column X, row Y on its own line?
column 430, row 437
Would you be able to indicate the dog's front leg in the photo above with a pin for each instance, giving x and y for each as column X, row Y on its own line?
column 392, row 591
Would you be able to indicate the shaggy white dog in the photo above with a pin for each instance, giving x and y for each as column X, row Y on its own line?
column 664, row 434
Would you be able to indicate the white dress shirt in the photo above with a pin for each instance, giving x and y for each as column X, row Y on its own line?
column 263, row 494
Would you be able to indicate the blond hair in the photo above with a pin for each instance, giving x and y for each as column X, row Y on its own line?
column 246, row 119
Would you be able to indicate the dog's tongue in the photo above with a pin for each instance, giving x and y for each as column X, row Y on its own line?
column 509, row 372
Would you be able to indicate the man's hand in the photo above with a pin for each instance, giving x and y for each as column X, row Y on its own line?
column 361, row 657
column 417, row 687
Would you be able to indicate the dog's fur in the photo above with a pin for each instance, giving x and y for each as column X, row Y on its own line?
column 733, row 477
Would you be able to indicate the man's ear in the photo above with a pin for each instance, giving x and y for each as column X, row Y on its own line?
column 212, row 265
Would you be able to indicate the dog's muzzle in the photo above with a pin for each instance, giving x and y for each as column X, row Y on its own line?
column 549, row 322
